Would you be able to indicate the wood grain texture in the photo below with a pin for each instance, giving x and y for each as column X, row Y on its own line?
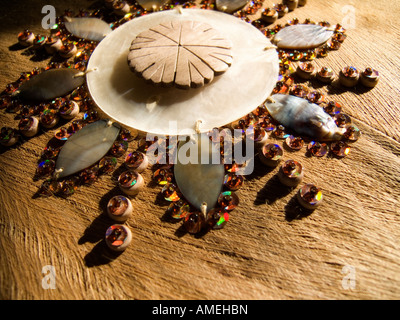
column 266, row 251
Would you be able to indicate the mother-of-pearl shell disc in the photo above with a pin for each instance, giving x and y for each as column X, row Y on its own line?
column 128, row 99
column 302, row 36
column 88, row 28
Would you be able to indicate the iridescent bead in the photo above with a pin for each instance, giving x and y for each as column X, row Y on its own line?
column 332, row 108
column 67, row 50
column 14, row 106
column 75, row 126
column 45, row 167
column 68, row 187
column 294, row 143
column 299, row 91
column 290, row 173
column 127, row 135
column 50, row 152
column 309, row 196
column 369, row 78
column 217, row 218
column 342, row 120
column 333, row 44
column 69, row 109
column 136, row 161
column 232, row 181
column 89, row 175
column 280, row 87
column 121, row 8
column 118, row 148
column 291, row 4
column 49, row 188
column 170, row 192
column 352, row 133
column 349, row 76
column 279, row 132
column 119, row 208
column 271, row 154
column 39, row 41
column 130, row 182
column 62, row 134
column 316, row 97
column 79, row 94
column 322, row 51
column 107, row 165
column 25, row 38
column 52, row 45
column 306, row 70
column 8, row 136
column 281, row 9
column 178, row 209
column 340, row 149
column 118, row 237
column 228, row 200
column 28, row 126
column 48, row 118
column 5, row 100
column 163, row 176
column 339, row 36
column 257, row 134
column 317, row 149
column 194, row 222
column 269, row 15
column 91, row 116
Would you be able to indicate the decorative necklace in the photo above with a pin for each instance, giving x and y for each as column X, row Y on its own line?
column 83, row 149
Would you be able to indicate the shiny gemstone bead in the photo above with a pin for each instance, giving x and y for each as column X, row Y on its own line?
column 130, row 182
column 317, row 149
column 349, row 76
column 217, row 218
column 178, row 209
column 127, row 135
column 91, row 116
column 309, row 196
column 163, row 176
column 25, row 38
column 316, row 97
column 325, row 75
column 107, row 165
column 48, row 118
column 269, row 15
column 340, row 149
column 299, row 91
column 332, row 108
column 342, row 120
column 52, row 45
column 228, row 200
column 14, row 106
column 279, row 132
column 89, row 175
column 67, row 50
column 119, row 208
column 294, row 143
column 68, row 187
column 4, row 101
column 118, row 148
column 62, row 134
column 233, row 181
column 136, row 161
column 369, row 77
column 339, row 36
column 118, row 237
column 261, row 111
column 49, row 188
column 39, row 41
column 352, row 133
column 28, row 126
column 281, row 9
column 194, row 222
column 75, row 126
column 290, row 173
column 306, row 70
column 333, row 44
column 50, row 152
column 271, row 155
column 322, row 51
column 170, row 192
column 257, row 134
column 280, row 87
column 69, row 109
column 291, row 4
column 296, row 55
column 45, row 167
column 8, row 136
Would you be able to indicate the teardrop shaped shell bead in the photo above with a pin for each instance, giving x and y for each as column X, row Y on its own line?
column 92, row 29
column 302, row 36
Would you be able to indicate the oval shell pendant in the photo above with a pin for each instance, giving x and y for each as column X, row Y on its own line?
column 200, row 181
column 302, row 36
column 50, row 84
column 86, row 147
column 303, row 117
column 93, row 29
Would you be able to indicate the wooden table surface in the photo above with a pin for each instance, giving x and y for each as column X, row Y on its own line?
column 266, row 251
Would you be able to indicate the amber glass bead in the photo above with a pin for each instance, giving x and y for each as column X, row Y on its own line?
column 232, row 181
column 128, row 178
column 299, row 91
column 5, row 100
column 294, row 143
column 134, row 160
column 45, row 167
column 118, row 237
column 332, row 108
column 62, row 134
column 48, row 118
column 352, row 133
column 26, row 38
column 309, row 196
column 50, row 152
column 349, row 76
column 317, row 149
column 306, row 70
column 163, row 176
column 369, row 77
column 340, row 149
column 194, row 222
column 178, row 209
column 69, row 186
column 49, row 188
column 271, row 154
column 126, row 135
column 279, row 132
column 316, row 97
column 342, row 120
column 89, row 175
column 107, row 164
column 228, row 200
column 119, row 208
column 325, row 75
column 217, row 218
column 170, row 192
column 91, row 116
column 290, row 173
column 118, row 148
column 333, row 44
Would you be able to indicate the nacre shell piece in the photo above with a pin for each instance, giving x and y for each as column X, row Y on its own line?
column 93, row 29
column 50, row 84
column 230, row 6
column 303, row 117
column 86, row 147
column 302, row 36
column 200, row 182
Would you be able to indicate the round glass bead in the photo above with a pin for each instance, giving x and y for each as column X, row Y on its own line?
column 67, row 108
column 333, row 44
column 342, row 120
column 119, row 208
column 25, row 123
column 75, row 126
column 128, row 179
column 26, row 37
column 279, row 132
column 217, row 218
column 340, row 149
column 369, row 77
column 233, row 181
column 50, row 152
column 170, row 192
column 178, row 209
column 352, row 133
column 49, row 188
column 271, row 154
column 8, row 136
column 118, row 237
column 5, row 100
column 228, row 200
column 68, row 187
column 294, row 143
column 134, row 160
column 317, row 149
column 309, row 196
column 299, row 91
column 349, row 76
column 325, row 75
column 91, row 116
column 45, row 167
column 290, row 173
column 316, row 97
column 126, row 135
column 194, row 222
column 118, row 148
column 48, row 118
column 62, row 134
column 163, row 176
column 107, row 164
column 332, row 108
column 305, row 70
column 89, row 175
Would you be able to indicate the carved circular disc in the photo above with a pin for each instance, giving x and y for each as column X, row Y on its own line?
column 181, row 53
column 133, row 102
